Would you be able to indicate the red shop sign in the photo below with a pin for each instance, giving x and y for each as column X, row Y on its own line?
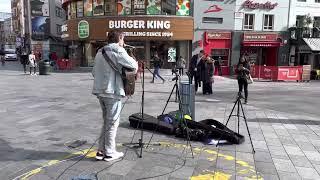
column 253, row 5
column 260, row 37
column 218, row 35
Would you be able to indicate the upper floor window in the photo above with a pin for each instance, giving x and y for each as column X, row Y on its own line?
column 248, row 22
column 302, row 0
column 59, row 30
column 317, row 1
column 299, row 21
column 268, row 22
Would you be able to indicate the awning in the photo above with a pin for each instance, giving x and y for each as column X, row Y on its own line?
column 313, row 43
column 262, row 43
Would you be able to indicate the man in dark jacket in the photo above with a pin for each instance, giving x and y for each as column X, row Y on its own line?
column 157, row 63
column 193, row 70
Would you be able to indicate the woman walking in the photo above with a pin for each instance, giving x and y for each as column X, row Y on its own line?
column 207, row 72
column 243, row 72
column 32, row 64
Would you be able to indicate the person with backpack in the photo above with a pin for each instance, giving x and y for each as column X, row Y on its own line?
column 157, row 63
column 109, row 89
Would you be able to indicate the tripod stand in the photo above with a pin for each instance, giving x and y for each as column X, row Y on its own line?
column 184, row 121
column 238, row 103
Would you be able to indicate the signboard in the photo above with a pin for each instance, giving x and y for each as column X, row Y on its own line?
column 39, row 8
column 256, row 5
column 87, row 7
column 40, row 28
column 83, row 29
column 183, row 8
column 218, row 35
column 238, row 15
column 260, row 37
column 139, row 27
column 154, row 7
column 172, row 54
column 98, row 7
column 124, row 7
column 139, row 7
column 79, row 8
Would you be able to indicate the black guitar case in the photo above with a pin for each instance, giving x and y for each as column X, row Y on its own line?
column 151, row 123
column 214, row 130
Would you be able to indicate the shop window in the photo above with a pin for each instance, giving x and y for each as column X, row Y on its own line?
column 87, row 7
column 98, row 7
column 268, row 22
column 124, row 7
column 169, row 7
column 212, row 20
column 59, row 30
column 248, row 22
column 79, row 9
column 221, row 53
column 110, row 7
column 316, row 22
column 153, row 7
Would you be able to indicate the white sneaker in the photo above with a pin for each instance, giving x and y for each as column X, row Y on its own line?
column 114, row 156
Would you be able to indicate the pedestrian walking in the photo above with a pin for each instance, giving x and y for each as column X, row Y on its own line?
column 157, row 63
column 207, row 71
column 108, row 87
column 32, row 64
column 181, row 64
column 243, row 71
column 218, row 64
column 2, row 59
column 194, row 72
column 24, row 59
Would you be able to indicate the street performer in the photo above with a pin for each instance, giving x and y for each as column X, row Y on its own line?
column 109, row 89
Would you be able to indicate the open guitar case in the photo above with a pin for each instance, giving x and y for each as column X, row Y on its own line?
column 198, row 131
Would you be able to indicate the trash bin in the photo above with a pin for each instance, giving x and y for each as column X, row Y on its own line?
column 44, row 67
column 187, row 96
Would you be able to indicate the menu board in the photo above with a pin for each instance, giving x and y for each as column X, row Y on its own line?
column 154, row 7
column 124, row 7
column 139, row 7
column 79, row 8
column 87, row 7
column 183, row 8
column 98, row 9
column 110, row 7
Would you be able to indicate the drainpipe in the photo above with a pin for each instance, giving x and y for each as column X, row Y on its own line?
column 289, row 12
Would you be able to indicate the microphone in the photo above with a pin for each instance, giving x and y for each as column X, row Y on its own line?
column 128, row 46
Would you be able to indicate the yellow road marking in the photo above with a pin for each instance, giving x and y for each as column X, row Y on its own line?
column 205, row 175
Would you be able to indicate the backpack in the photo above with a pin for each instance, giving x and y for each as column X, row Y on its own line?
column 128, row 76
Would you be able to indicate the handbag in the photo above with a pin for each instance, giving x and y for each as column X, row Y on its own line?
column 249, row 79
column 127, row 75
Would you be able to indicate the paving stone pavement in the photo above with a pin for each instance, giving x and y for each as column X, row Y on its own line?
column 41, row 114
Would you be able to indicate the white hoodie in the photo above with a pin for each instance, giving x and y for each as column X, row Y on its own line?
column 107, row 81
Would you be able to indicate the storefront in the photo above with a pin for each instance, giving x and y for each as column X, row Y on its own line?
column 261, row 48
column 169, row 36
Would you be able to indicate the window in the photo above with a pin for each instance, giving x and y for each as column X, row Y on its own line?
column 212, row 20
column 58, row 12
column 299, row 21
column 316, row 22
column 317, row 1
column 302, row 0
column 248, row 22
column 268, row 22
column 59, row 30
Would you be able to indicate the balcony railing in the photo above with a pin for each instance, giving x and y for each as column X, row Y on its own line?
column 298, row 33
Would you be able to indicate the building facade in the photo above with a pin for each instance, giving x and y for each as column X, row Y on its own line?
column 37, row 26
column 5, row 29
column 257, row 29
column 164, row 27
column 304, row 28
